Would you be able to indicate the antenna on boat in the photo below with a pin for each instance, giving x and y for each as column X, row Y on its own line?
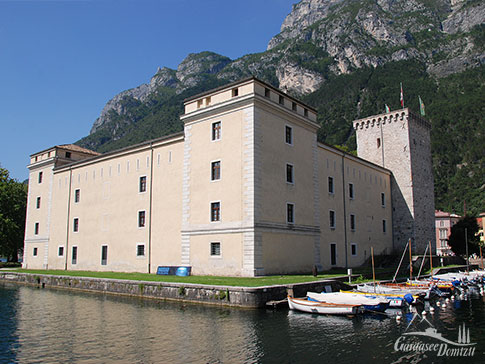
column 422, row 263
column 373, row 270
column 402, row 258
column 431, row 258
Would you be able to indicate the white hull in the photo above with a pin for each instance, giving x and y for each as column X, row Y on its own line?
column 323, row 308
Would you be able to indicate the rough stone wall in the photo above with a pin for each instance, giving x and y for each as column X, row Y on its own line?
column 400, row 142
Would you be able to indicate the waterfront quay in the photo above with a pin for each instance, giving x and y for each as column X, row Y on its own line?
column 250, row 297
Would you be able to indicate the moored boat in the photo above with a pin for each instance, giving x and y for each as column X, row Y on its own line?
column 304, row 305
column 377, row 304
column 396, row 299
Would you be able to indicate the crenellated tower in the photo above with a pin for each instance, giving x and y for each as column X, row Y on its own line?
column 400, row 142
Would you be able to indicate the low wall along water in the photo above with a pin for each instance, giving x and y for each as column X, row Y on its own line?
column 253, row 297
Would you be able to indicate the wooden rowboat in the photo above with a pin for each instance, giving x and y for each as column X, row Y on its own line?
column 304, row 305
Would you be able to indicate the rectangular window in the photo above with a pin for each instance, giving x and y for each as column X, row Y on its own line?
column 141, row 218
column 281, row 100
column 215, row 211
column 216, row 171
column 34, row 253
column 353, row 249
column 330, row 185
column 75, row 225
column 293, row 106
column 36, row 228
column 40, row 177
column 68, row 155
column 215, row 249
column 305, row 112
column 143, row 184
column 332, row 219
column 290, row 213
column 289, row 173
column 442, row 223
column 333, row 254
column 351, row 191
column 235, row 92
column 443, row 233
column 378, row 143
column 140, row 250
column 74, row 255
column 216, row 130
column 289, row 135
column 77, row 195
column 384, row 226
column 267, row 92
column 60, row 251
column 383, row 199
column 37, row 204
column 352, row 222
column 104, row 254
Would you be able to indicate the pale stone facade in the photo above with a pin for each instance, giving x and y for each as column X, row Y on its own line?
column 245, row 190
column 400, row 142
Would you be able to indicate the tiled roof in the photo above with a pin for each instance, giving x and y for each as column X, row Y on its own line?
column 77, row 148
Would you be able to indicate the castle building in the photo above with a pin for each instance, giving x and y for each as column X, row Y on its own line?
column 245, row 190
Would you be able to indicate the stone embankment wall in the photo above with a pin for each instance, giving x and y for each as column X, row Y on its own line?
column 253, row 297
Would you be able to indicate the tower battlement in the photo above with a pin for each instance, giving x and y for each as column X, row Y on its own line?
column 390, row 117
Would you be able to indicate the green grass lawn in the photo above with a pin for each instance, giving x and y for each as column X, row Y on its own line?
column 209, row 280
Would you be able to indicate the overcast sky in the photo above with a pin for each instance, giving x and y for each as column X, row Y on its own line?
column 62, row 60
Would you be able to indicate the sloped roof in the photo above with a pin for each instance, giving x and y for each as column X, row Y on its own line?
column 77, row 148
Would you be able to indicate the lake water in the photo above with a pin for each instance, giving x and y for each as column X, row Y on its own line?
column 56, row 326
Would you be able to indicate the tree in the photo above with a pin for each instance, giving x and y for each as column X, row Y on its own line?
column 13, row 203
column 457, row 237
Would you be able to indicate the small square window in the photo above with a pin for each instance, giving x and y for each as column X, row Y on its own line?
column 351, row 191
column 36, row 228
column 207, row 101
column 77, row 195
column 34, row 253
column 68, row 155
column 60, row 251
column 332, row 219
column 290, row 213
column 74, row 255
column 289, row 173
column 140, row 250
column 216, row 171
column 37, row 203
column 216, row 130
column 40, row 177
column 289, row 135
column 235, row 92
column 215, row 249
column 352, row 222
column 267, row 92
column 143, row 184
column 353, row 249
column 330, row 185
column 215, row 211
column 200, row 103
column 281, row 100
column 141, row 218
column 104, row 255
column 75, row 225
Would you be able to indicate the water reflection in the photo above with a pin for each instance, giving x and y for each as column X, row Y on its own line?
column 48, row 326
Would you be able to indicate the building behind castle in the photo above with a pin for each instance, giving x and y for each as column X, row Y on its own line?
column 245, row 190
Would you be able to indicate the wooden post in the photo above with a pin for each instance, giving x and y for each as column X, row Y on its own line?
column 373, row 270
column 410, row 262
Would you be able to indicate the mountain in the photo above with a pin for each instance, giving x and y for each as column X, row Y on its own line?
column 347, row 59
